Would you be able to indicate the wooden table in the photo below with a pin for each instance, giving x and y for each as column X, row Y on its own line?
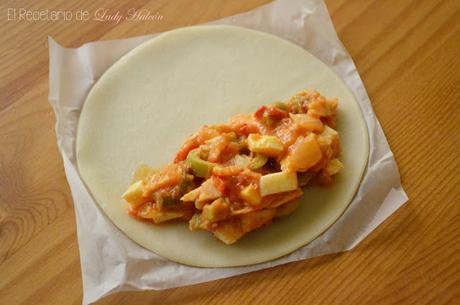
column 408, row 54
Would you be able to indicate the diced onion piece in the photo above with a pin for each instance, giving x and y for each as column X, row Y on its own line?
column 143, row 172
column 307, row 122
column 267, row 145
column 329, row 142
column 334, row 166
column 240, row 160
column 228, row 232
column 134, row 194
column 251, row 195
column 208, row 191
column 145, row 211
column 328, row 136
column 216, row 211
column 192, row 195
column 162, row 216
column 302, row 155
column 216, row 146
column 258, row 161
column 323, row 108
column 194, row 222
column 277, row 183
column 242, row 211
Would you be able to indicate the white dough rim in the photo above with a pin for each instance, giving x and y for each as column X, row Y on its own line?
column 154, row 97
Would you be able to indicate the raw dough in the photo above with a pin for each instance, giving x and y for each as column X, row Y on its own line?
column 152, row 99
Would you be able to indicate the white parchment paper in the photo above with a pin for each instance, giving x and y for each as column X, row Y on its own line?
column 110, row 261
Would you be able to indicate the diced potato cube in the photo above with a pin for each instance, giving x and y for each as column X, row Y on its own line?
column 277, row 183
column 228, row 232
column 162, row 216
column 256, row 219
column 267, row 145
column 134, row 194
column 216, row 211
column 251, row 195
column 334, row 166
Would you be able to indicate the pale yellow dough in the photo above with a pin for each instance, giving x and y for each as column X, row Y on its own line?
column 144, row 107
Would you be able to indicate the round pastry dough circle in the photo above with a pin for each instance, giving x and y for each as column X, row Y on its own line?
column 144, row 107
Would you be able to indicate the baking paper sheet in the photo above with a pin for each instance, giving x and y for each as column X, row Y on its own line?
column 110, row 261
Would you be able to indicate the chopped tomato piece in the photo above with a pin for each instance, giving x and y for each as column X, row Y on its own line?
column 205, row 133
column 260, row 112
column 231, row 170
column 220, row 183
column 276, row 113
column 171, row 175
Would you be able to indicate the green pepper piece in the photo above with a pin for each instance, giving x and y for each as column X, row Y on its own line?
column 280, row 105
column 200, row 167
column 168, row 201
column 231, row 136
column 304, row 178
column 258, row 161
column 186, row 182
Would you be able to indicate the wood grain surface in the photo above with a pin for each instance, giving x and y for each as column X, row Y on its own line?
column 408, row 54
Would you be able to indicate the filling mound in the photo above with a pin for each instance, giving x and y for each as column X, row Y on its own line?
column 233, row 178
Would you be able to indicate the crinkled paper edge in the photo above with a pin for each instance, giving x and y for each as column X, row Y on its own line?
column 110, row 261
